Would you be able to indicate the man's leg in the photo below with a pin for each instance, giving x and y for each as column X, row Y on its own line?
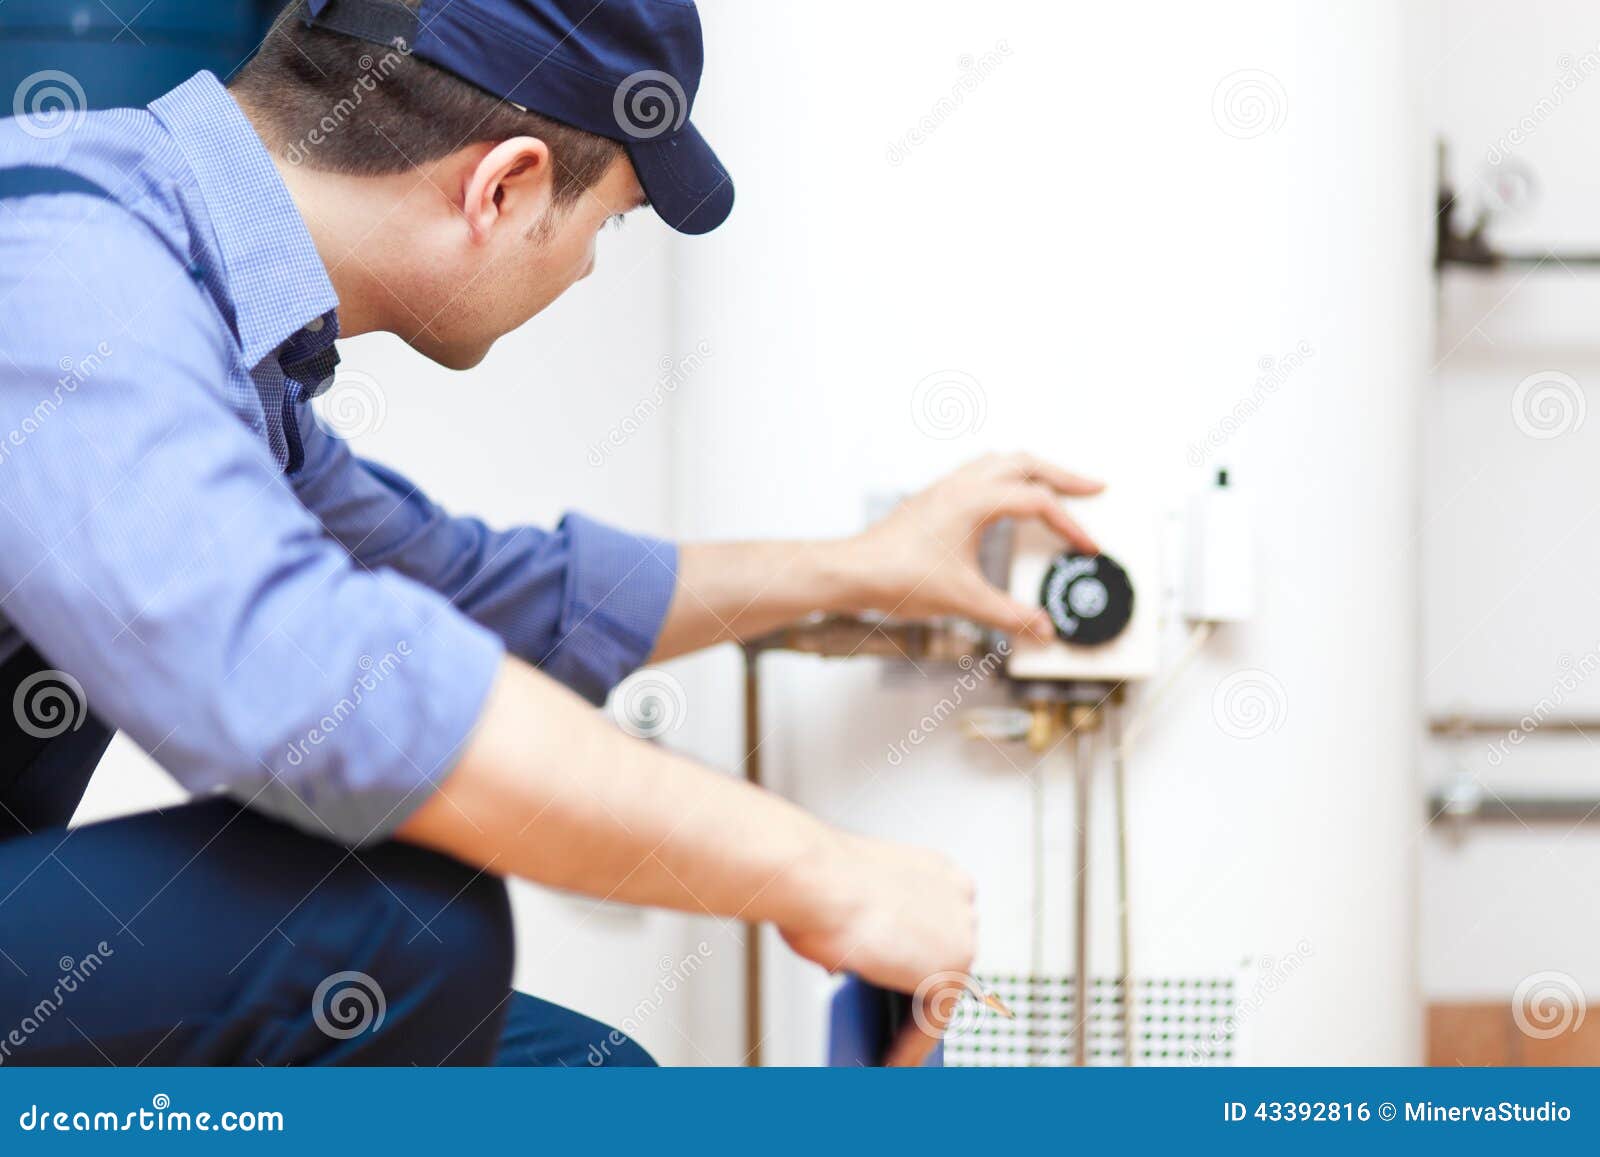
column 211, row 935
column 540, row 1033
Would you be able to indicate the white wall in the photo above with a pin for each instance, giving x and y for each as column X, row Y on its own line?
column 1510, row 533
column 1083, row 239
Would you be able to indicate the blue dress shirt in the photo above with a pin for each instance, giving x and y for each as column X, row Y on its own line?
column 260, row 610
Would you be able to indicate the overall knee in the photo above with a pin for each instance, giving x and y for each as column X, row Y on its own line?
column 457, row 937
column 438, row 953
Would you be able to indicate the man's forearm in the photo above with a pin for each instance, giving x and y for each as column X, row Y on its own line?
column 549, row 791
column 742, row 590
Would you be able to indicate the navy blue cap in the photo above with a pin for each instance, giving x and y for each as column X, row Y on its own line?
column 627, row 70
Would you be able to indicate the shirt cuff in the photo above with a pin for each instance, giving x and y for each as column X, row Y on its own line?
column 618, row 588
column 381, row 760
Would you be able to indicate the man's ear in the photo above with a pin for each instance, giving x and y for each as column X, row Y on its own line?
column 513, row 180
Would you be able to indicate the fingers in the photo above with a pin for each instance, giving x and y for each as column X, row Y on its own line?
column 1033, row 500
column 1029, row 468
column 910, row 1048
column 994, row 608
column 1060, row 480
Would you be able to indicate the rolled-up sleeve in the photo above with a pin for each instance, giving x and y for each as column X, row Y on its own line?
column 150, row 547
column 584, row 602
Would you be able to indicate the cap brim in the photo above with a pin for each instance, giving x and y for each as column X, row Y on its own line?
column 687, row 186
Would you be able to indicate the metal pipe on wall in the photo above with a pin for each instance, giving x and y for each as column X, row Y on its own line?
column 754, row 1034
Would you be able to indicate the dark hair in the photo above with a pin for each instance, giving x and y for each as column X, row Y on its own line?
column 339, row 104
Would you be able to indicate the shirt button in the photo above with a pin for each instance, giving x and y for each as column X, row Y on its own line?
column 314, row 325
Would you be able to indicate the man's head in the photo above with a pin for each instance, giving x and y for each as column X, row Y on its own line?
column 449, row 211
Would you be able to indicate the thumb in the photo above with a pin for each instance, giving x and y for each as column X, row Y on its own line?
column 994, row 608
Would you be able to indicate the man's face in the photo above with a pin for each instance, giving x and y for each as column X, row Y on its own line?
column 533, row 255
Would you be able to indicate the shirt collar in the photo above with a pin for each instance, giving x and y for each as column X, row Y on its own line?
column 275, row 278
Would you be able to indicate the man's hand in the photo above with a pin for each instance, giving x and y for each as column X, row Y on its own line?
column 922, row 560
column 904, row 919
column 889, row 913
column 549, row 791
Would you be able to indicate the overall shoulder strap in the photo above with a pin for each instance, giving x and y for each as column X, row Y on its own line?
column 32, row 180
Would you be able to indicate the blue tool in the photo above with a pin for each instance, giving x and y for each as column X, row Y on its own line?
column 864, row 1022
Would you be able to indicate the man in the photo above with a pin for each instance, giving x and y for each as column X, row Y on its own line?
column 367, row 692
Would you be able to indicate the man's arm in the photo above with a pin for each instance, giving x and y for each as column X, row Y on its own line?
column 921, row 561
column 550, row 792
column 150, row 547
column 582, row 602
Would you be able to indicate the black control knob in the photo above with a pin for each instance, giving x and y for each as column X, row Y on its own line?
column 1088, row 597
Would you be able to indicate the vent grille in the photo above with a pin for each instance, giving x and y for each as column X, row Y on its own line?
column 1183, row 1021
